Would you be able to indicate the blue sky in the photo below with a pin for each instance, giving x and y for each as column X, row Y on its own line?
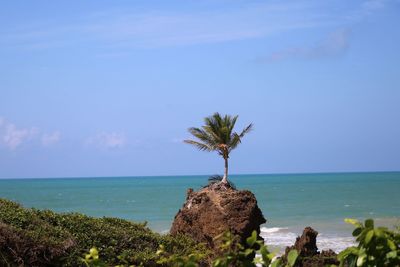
column 109, row 88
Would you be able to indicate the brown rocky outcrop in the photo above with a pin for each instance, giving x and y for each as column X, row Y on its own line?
column 309, row 256
column 216, row 209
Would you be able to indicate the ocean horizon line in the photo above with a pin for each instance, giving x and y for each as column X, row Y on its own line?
column 197, row 175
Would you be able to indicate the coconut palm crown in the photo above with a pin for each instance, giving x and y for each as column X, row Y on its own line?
column 217, row 135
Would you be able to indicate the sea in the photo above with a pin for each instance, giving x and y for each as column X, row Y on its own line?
column 289, row 202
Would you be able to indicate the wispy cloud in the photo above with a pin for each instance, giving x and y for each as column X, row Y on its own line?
column 108, row 140
column 114, row 33
column 51, row 138
column 131, row 29
column 370, row 6
column 335, row 44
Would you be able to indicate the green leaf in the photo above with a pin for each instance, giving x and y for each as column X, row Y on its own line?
column 348, row 251
column 391, row 245
column 369, row 236
column 248, row 251
column 391, row 255
column 369, row 223
column 357, row 231
column 292, row 257
column 379, row 232
column 217, row 263
column 352, row 261
column 264, row 254
column 252, row 239
column 352, row 221
column 276, row 263
column 361, row 259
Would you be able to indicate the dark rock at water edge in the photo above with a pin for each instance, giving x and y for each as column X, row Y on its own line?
column 306, row 244
column 309, row 256
column 215, row 209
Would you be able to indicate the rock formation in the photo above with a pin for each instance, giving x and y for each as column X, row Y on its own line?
column 216, row 209
column 306, row 244
column 309, row 256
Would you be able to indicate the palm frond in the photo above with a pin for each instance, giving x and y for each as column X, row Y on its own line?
column 246, row 130
column 217, row 134
column 200, row 146
column 233, row 122
column 200, row 134
column 213, row 126
column 235, row 141
column 213, row 134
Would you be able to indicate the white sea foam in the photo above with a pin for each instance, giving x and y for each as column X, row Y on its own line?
column 278, row 237
column 272, row 229
column 281, row 237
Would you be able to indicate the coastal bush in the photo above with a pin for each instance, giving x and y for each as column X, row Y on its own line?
column 377, row 246
column 27, row 240
column 34, row 237
column 236, row 254
column 232, row 254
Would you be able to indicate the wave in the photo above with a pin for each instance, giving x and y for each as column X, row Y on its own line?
column 272, row 229
column 281, row 237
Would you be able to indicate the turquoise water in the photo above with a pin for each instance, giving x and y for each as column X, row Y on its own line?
column 288, row 201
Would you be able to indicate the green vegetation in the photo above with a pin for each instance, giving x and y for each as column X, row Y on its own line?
column 376, row 246
column 30, row 237
column 232, row 253
column 33, row 237
column 217, row 135
column 235, row 254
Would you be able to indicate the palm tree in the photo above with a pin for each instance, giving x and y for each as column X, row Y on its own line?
column 217, row 135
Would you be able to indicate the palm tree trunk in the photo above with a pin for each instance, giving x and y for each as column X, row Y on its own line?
column 225, row 178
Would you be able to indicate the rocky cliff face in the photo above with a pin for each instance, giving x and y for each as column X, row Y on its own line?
column 215, row 209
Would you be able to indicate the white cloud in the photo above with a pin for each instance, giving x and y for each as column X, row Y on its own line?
column 335, row 44
column 108, row 140
column 50, row 138
column 12, row 137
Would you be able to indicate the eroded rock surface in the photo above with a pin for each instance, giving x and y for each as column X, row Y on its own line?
column 215, row 209
column 309, row 256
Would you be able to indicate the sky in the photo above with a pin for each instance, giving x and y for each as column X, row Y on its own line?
column 109, row 88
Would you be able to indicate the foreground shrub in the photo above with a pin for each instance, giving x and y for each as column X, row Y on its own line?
column 235, row 254
column 232, row 254
column 377, row 246
column 44, row 238
column 27, row 240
